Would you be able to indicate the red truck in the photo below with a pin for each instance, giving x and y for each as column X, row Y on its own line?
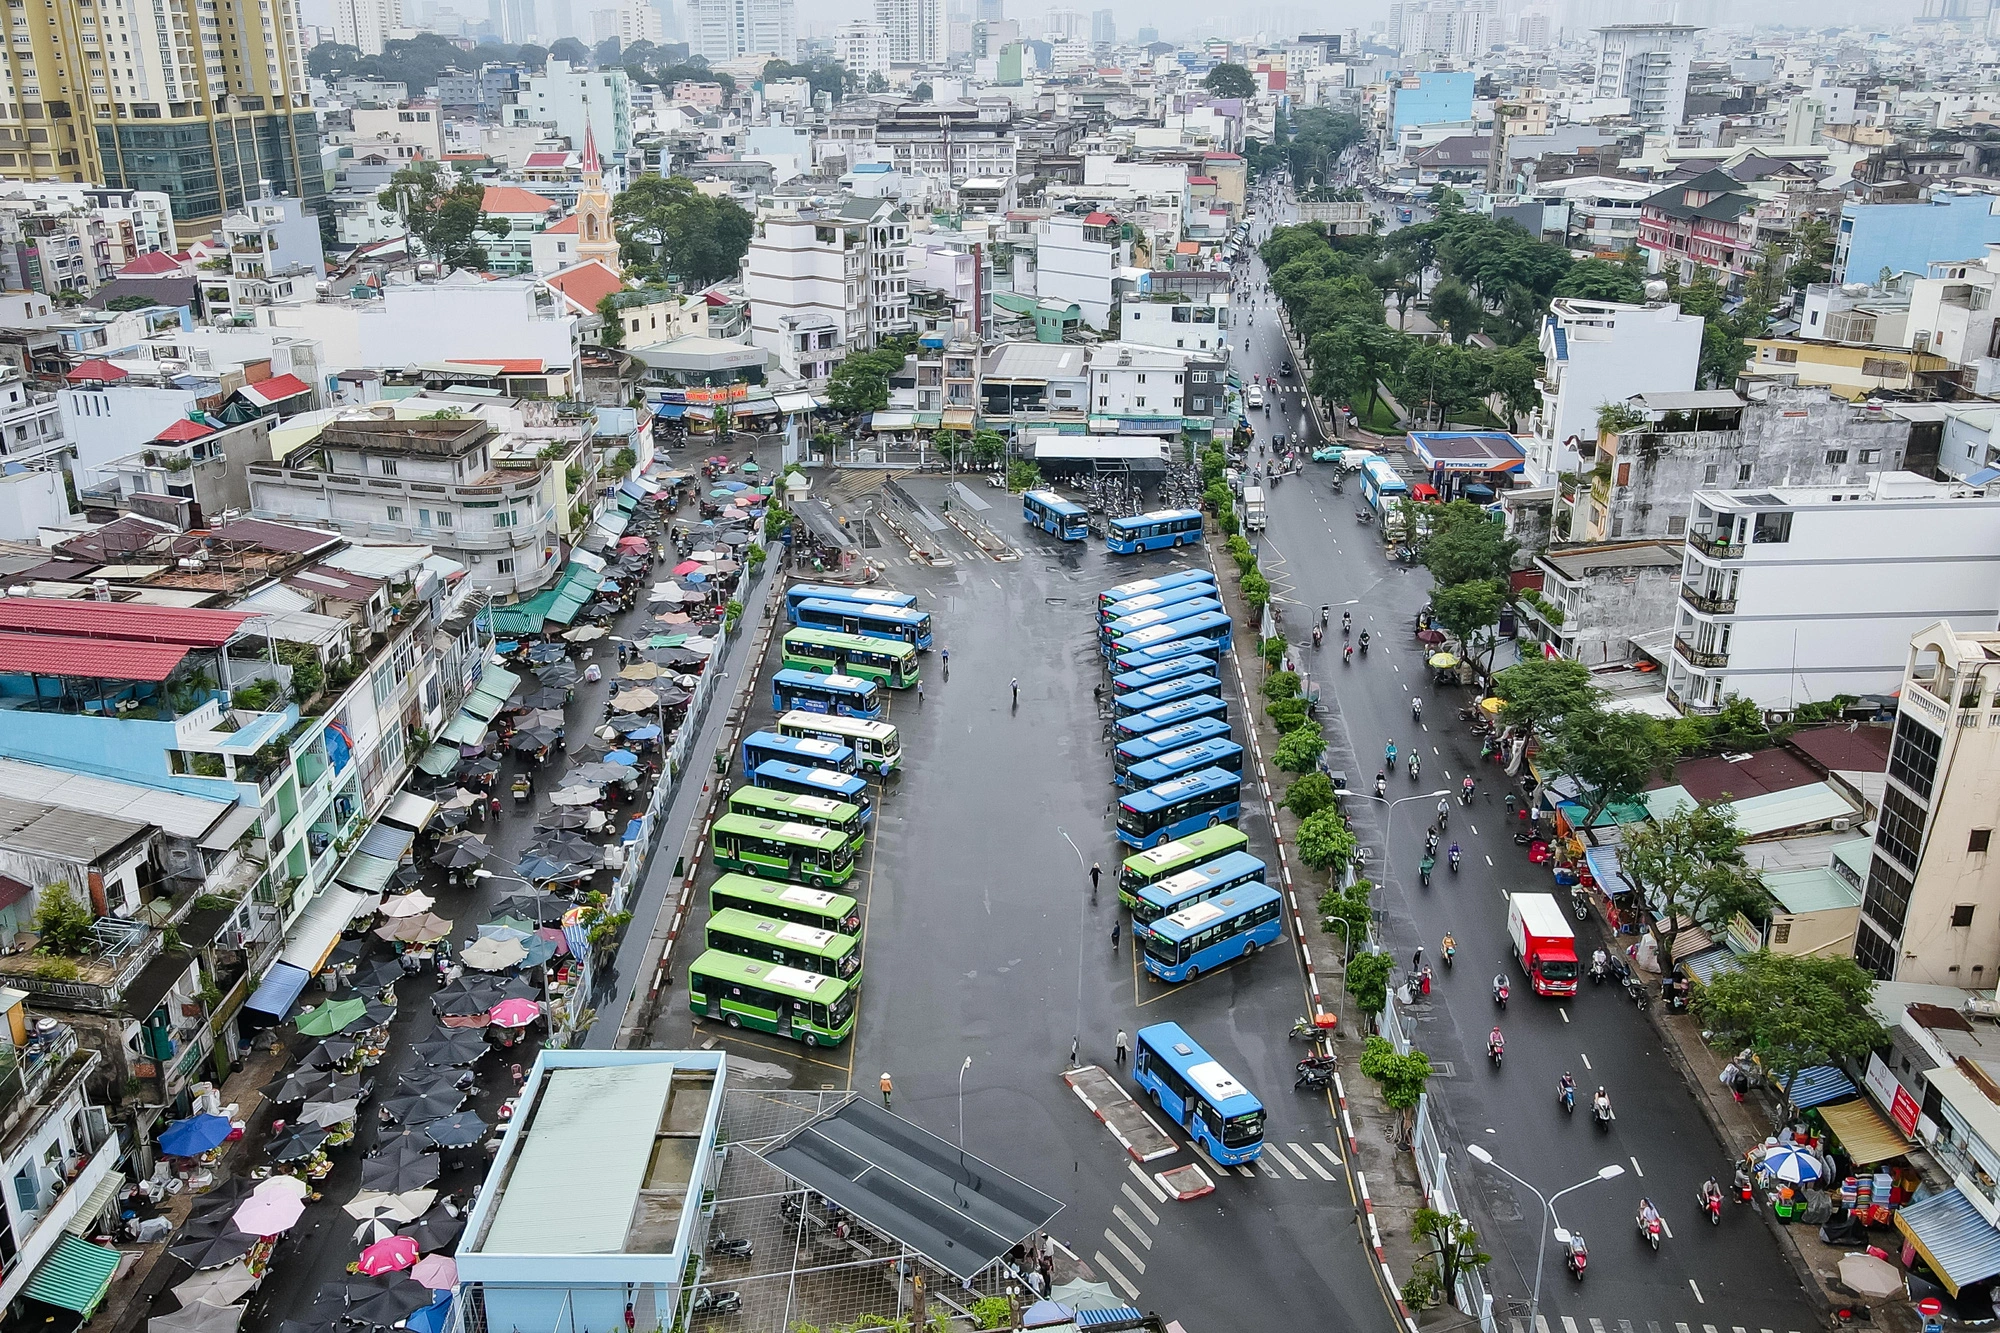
column 1543, row 942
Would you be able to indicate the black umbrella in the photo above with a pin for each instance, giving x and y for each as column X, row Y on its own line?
column 558, row 676
column 399, row 1170
column 601, row 610
column 383, row 1301
column 309, row 1326
column 457, row 1131
column 377, row 975
column 625, row 722
column 213, row 1250
column 408, row 877
column 422, row 1108
column 458, row 853
column 330, row 1053
column 540, row 908
column 480, row 768
column 480, row 990
column 298, row 1145
column 452, row 1046
column 545, row 697
column 435, row 1230
column 376, row 1014
column 544, row 871
column 568, row 846
column 436, row 1080
column 347, row 951
column 297, row 1086
column 678, row 657
column 542, row 653
column 453, row 817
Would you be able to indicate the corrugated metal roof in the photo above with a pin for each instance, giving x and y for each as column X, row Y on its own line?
column 74, row 1276
column 192, row 628
column 66, row 655
column 1819, row 1085
column 1801, row 807
column 180, row 815
column 67, row 835
column 1960, row 1245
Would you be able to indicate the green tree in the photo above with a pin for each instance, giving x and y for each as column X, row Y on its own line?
column 1465, row 544
column 1470, row 613
column 1309, row 794
column 1795, row 1011
column 1256, row 589
column 611, row 325
column 571, row 50
column 1454, row 309
column 1612, row 755
column 860, row 383
column 1600, row 280
column 333, row 60
column 988, row 447
column 1401, row 1078
column 1811, row 254
column 1299, row 749
column 1454, row 1244
column 62, row 921
column 946, row 442
column 1367, row 981
column 1324, row 840
column 1445, row 199
column 1690, row 870
column 668, row 229
column 825, row 76
column 1227, row 80
column 443, row 212
column 1281, row 685
column 1541, row 689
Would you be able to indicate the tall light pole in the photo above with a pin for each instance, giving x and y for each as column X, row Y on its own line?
column 1611, row 1172
column 961, row 1103
column 1389, row 822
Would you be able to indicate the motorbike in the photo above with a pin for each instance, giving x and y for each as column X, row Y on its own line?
column 1575, row 1256
column 1601, row 1113
column 1381, row 784
column 1314, row 1078
column 730, row 1247
column 1451, row 859
column 1566, row 1097
column 1598, row 970
column 1524, row 838
column 1303, row 1027
column 1710, row 1199
column 1424, row 868
column 1450, row 952
column 1317, row 632
column 1649, row 1230
column 710, row 1301
column 1579, row 902
column 1415, row 764
column 1364, row 643
column 1500, row 992
column 1635, row 991
column 1364, row 516
column 1496, row 1051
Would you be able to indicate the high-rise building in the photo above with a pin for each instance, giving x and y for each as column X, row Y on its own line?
column 582, row 103
column 989, row 11
column 1647, row 63
column 639, row 21
column 862, row 48
column 366, row 24
column 916, row 28
column 562, row 19
column 1147, row 36
column 725, row 29
column 210, row 114
column 1103, row 27
column 1063, row 23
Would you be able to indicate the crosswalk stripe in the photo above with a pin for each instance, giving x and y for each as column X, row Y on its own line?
column 1285, row 1162
column 1652, row 1326
column 1111, row 1271
column 1312, row 1163
column 1681, row 1328
column 1248, row 1174
column 1118, row 1243
column 1624, row 1326
column 1541, row 1323
column 1708, row 1328
column 1146, row 1182
column 1140, row 1204
column 1329, row 1154
column 1264, row 1165
column 1597, row 1326
column 1517, row 1325
column 1138, row 1231
column 1569, row 1325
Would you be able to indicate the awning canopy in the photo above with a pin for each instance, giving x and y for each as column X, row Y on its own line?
column 1960, row 1246
column 497, row 681
column 1819, row 1085
column 463, row 730
column 318, row 928
column 387, row 841
column 229, row 828
column 366, row 873
column 410, row 810
column 566, row 606
column 1861, row 1130
column 74, row 1275
column 481, row 706
column 92, row 1208
column 438, row 760
column 279, row 990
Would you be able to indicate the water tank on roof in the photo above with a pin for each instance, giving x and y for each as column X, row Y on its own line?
column 1656, row 291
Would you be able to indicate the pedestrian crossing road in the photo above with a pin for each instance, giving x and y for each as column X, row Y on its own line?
column 1566, row 1324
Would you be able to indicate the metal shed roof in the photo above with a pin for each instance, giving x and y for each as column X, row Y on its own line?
column 190, row 628
column 68, row 655
column 180, row 815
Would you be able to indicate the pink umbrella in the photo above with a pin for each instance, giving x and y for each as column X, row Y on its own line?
column 268, row 1214
column 514, row 1013
column 439, row 1272
column 686, row 567
column 388, row 1256
column 555, row 937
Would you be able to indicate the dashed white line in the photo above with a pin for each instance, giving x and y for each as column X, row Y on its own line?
column 1564, row 1012
column 1699, row 1299
column 1666, row 1228
column 1264, row 1165
column 1117, row 1243
column 1132, row 1197
column 1489, row 860
column 1329, row 1154
column 1474, row 827
column 1586, row 1060
column 1637, row 1170
column 1111, row 1271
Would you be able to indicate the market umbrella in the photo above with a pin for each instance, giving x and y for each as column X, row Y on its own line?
column 467, row 996
column 439, row 1272
column 437, row 1229
column 194, row 1136
column 635, row 701
column 529, row 740
column 375, row 1205
column 557, row 675
column 313, row 1326
column 330, row 1017
column 1792, row 1164
column 424, row 1107
column 601, row 608
column 214, row 1249
column 373, row 1229
column 515, row 1013
column 449, row 1048
column 539, row 653
column 456, row 854
column 673, row 618
column 217, row 1286
column 536, row 951
column 457, row 1131
column 1869, row 1277
column 685, row 568
column 430, row 1081
column 281, row 1187
column 398, row 1171
column 575, row 796
column 552, row 718
column 327, row 1114
column 506, row 927
column 330, row 1053
column 750, row 469
column 645, row 733
column 1430, row 636
column 382, row 973
column 543, row 870
column 682, row 657
column 638, row 671
column 268, row 1215
column 568, row 847
column 491, row 955
column 589, row 633
column 623, row 758
column 387, row 1256
column 536, row 907
column 433, row 1318
column 480, row 768
column 546, row 697
column 554, row 937
column 1443, row 660
column 198, row 1317
column 384, row 1301
column 297, row 1145
column 599, row 773
column 415, row 929
column 561, row 820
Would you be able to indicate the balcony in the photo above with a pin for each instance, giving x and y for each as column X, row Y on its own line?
column 1697, row 657
column 1675, row 698
column 1714, row 546
column 1714, row 606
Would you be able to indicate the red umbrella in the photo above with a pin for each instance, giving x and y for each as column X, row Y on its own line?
column 515, row 1013
column 555, row 937
column 388, row 1256
column 685, row 567
column 1430, row 636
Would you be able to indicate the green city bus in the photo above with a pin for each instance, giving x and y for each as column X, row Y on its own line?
column 779, row 849
column 877, row 745
column 742, row 992
column 1170, row 858
column 801, row 808
column 786, row 943
column 786, row 902
column 890, row 661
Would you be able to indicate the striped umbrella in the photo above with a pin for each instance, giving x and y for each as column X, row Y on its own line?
column 1792, row 1164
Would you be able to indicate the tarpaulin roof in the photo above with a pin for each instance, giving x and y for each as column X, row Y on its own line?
column 279, row 990
column 387, row 841
column 1960, row 1246
column 1819, row 1085
column 1862, row 1131
column 364, row 871
column 465, row 729
column 438, row 760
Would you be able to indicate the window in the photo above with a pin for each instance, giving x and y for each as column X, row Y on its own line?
column 388, row 466
column 1677, row 525
column 423, row 518
column 1774, row 528
column 505, row 564
column 507, row 518
column 1887, row 900
column 1900, row 832
column 1836, row 456
column 395, row 513
column 1743, row 473
column 1199, row 376
column 1882, row 368
column 1961, row 916
column 1876, row 955
column 1785, row 355
column 1979, row 840
column 1913, row 755
column 1140, row 402
column 1103, row 401
column 1710, row 474
column 1201, row 404
column 1142, row 377
column 1875, row 455
column 444, row 518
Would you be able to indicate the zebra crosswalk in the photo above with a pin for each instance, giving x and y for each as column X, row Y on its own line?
column 1296, row 1161
column 1570, row 1324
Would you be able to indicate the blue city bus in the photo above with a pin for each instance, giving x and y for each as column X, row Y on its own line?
column 1159, row 615
column 1165, row 692
column 760, row 747
column 848, row 696
column 1169, row 715
column 1054, row 515
column 1381, row 486
column 839, row 616
column 1132, row 606
column 1167, row 740
column 1206, row 649
column 1210, row 879
column 1201, row 938
column 1203, row 625
column 1158, row 673
column 806, row 781
column 1197, row 800
column 1215, row 752
column 1223, row 1117
column 1155, row 531
column 799, row 592
column 1140, row 587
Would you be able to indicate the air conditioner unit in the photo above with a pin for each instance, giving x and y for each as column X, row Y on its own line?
column 1842, row 825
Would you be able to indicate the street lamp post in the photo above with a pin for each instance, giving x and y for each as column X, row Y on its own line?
column 961, row 1103
column 1389, row 822
column 1610, row 1172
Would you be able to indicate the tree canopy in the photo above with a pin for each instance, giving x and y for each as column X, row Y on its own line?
column 415, row 61
column 1541, row 689
column 1690, row 869
column 443, row 211
column 1227, row 80
column 1794, row 1011
column 825, row 76
column 571, row 50
column 860, row 383
column 1613, row 755
column 668, row 229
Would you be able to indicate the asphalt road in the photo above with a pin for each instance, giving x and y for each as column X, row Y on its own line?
column 1316, row 553
column 981, row 941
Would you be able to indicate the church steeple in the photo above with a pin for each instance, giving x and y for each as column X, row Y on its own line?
column 595, row 237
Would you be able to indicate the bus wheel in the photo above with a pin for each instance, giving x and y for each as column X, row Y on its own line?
column 1250, row 949
column 1213, row 820
column 1194, row 974
column 734, row 1021
column 811, row 1040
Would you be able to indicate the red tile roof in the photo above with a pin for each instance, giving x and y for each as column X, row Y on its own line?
column 275, row 390
column 567, row 227
column 1098, row 220
column 1201, row 180
column 586, row 284
column 59, row 655
column 99, row 369
column 262, row 533
column 513, row 199
column 519, row 366
column 183, row 430
column 1188, row 248
column 190, row 627
column 153, row 264
column 547, row 160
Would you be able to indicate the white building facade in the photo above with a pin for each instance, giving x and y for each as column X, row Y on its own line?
column 721, row 30
column 1647, row 63
column 1598, row 352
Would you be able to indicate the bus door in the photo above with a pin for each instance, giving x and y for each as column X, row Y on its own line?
column 712, row 987
column 785, row 1008
column 1203, row 1124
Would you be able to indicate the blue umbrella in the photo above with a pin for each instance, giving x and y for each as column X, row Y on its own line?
column 642, row 734
column 734, row 486
column 433, row 1318
column 620, row 757
column 1790, row 1163
column 194, row 1136
column 609, row 585
column 539, row 951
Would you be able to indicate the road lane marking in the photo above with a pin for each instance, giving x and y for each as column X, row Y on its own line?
column 1474, row 827
column 1699, row 1300
column 1637, row 1170
column 1489, row 860
column 1137, row 1230
column 1132, row 1196
column 1667, row 1231
column 1146, row 1182
column 1586, row 1060
column 1564, row 1012
column 1264, row 1165
column 1331, row 1155
column 1248, row 1174
column 1117, row 1242
column 1286, row 1162
column 1569, row 1325
column 1125, row 1283
column 1311, row 1164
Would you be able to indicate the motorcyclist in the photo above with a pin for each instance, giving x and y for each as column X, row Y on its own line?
column 1350, row 653
column 1364, row 641
column 1416, row 710
column 1317, row 632
column 1495, row 1043
column 1381, row 778
column 1566, row 1087
column 1346, row 621
column 1449, row 948
column 1711, row 1194
column 1389, row 752
column 1416, row 762
column 1600, row 963
column 1600, row 1104
column 1499, row 988
column 1649, row 1216
column 1444, row 808
column 1431, row 843
column 1452, row 856
column 1323, row 613
column 1466, row 787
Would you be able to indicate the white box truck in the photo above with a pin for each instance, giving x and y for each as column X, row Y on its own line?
column 1253, row 508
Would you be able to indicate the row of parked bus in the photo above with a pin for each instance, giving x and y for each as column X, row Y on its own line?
column 1198, row 899
column 1067, row 521
column 784, row 939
